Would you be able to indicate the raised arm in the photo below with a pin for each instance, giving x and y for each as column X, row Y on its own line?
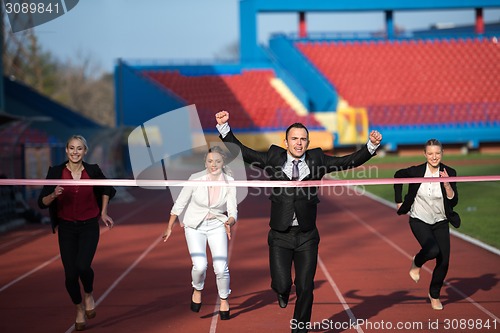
column 250, row 156
column 335, row 163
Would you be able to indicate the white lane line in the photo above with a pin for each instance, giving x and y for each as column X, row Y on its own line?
column 123, row 275
column 406, row 254
column 51, row 260
column 452, row 231
column 25, row 275
column 20, row 238
column 213, row 324
column 475, row 242
column 341, row 298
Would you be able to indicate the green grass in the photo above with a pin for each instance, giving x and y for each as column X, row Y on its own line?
column 479, row 202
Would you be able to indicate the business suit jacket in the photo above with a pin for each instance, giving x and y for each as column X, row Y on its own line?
column 55, row 172
column 419, row 171
column 299, row 200
column 196, row 199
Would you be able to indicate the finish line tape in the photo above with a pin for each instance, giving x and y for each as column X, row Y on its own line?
column 245, row 183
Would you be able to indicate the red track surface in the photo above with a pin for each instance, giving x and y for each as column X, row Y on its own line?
column 143, row 285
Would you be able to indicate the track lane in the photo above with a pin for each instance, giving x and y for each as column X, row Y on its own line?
column 358, row 251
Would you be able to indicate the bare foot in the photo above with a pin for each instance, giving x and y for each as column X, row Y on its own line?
column 224, row 305
column 89, row 301
column 414, row 271
column 196, row 296
column 80, row 313
column 435, row 303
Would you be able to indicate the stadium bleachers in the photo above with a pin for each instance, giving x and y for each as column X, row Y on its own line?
column 427, row 84
column 17, row 132
column 13, row 138
column 431, row 114
column 417, row 82
column 253, row 102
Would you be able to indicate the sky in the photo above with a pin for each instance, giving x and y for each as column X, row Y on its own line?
column 179, row 31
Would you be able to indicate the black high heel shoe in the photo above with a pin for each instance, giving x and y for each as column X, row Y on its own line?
column 195, row 307
column 224, row 315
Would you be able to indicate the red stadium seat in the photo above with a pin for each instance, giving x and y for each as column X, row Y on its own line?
column 251, row 98
column 433, row 72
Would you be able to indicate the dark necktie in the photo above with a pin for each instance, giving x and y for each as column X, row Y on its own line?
column 295, row 169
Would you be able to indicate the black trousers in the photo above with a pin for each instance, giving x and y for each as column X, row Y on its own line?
column 301, row 249
column 77, row 245
column 435, row 242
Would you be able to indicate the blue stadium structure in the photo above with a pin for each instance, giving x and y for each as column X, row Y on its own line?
column 410, row 85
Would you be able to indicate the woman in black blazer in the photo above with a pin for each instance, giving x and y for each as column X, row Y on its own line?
column 75, row 211
column 431, row 209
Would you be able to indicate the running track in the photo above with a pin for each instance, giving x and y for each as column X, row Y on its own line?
column 143, row 284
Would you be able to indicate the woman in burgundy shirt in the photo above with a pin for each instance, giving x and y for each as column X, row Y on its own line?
column 76, row 210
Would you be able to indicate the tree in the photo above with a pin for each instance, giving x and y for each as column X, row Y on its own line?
column 80, row 85
column 24, row 60
column 86, row 88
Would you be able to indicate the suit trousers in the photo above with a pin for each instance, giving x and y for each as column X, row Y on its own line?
column 301, row 249
column 213, row 232
column 77, row 246
column 435, row 242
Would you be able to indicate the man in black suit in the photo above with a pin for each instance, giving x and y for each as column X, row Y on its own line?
column 293, row 237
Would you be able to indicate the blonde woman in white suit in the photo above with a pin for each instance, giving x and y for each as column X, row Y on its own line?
column 205, row 221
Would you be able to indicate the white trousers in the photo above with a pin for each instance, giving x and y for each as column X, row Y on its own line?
column 214, row 232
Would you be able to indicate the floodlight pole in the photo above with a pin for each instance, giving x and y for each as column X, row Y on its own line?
column 302, row 25
column 479, row 21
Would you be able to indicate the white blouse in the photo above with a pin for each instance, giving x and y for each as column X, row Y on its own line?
column 428, row 205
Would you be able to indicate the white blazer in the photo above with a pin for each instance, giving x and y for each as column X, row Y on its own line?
column 196, row 199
